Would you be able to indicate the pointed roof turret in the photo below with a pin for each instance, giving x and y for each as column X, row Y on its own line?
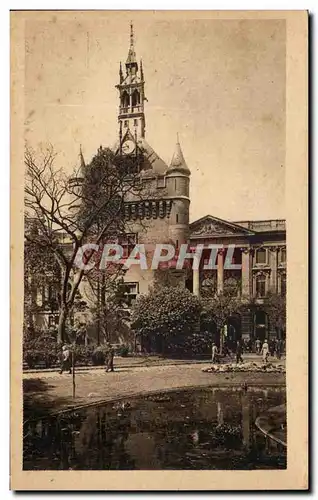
column 131, row 59
column 178, row 163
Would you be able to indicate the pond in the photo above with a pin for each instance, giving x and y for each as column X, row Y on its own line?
column 210, row 428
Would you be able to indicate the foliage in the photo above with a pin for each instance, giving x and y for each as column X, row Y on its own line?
column 63, row 212
column 168, row 312
column 219, row 309
column 275, row 307
column 41, row 350
column 99, row 356
column 109, row 313
column 83, row 354
column 44, row 350
column 123, row 351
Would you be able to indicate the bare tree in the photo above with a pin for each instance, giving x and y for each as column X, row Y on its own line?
column 71, row 210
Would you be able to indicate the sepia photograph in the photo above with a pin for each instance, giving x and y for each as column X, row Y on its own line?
column 153, row 329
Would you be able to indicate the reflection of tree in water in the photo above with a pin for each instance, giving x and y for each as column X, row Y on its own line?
column 204, row 429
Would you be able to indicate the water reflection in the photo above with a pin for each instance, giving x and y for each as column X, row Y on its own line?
column 201, row 429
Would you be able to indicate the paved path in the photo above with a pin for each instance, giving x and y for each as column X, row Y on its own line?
column 48, row 391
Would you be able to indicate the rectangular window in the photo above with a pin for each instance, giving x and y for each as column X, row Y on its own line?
column 127, row 241
column 135, row 122
column 126, row 123
column 177, row 218
column 261, row 256
column 130, row 292
column 261, row 286
column 160, row 182
column 283, row 255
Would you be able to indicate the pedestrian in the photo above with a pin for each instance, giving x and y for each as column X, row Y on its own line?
column 110, row 358
column 66, row 360
column 258, row 346
column 246, row 346
column 271, row 347
column 226, row 350
column 239, row 350
column 215, row 353
column 265, row 351
column 279, row 348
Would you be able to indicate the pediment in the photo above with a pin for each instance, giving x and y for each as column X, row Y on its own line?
column 214, row 227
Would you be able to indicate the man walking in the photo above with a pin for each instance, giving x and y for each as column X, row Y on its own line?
column 239, row 351
column 66, row 360
column 110, row 358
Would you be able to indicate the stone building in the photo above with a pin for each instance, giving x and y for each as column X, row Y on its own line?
column 259, row 253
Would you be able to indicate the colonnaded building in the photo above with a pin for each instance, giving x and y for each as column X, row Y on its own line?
column 161, row 215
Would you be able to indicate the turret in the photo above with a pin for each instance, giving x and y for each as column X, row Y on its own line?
column 177, row 182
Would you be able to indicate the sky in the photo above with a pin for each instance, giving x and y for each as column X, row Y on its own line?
column 220, row 84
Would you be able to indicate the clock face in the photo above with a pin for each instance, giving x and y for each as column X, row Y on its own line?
column 128, row 147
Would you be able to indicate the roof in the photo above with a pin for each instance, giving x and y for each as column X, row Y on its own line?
column 152, row 160
column 213, row 226
column 178, row 163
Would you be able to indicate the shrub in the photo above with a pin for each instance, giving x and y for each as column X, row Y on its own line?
column 166, row 315
column 44, row 350
column 41, row 350
column 83, row 355
column 123, row 351
column 99, row 356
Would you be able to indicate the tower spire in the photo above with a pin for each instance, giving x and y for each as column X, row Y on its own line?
column 132, row 93
column 131, row 35
column 131, row 59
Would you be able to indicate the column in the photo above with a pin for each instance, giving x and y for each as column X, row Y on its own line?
column 273, row 266
column 196, row 282
column 246, row 272
column 220, row 271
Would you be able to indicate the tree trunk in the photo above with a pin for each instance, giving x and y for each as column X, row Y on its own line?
column 221, row 340
column 61, row 325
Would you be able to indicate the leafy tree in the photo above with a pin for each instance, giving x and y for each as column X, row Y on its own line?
column 218, row 309
column 166, row 312
column 71, row 210
column 275, row 307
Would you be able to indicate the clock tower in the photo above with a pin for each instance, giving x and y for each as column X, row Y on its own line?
column 131, row 89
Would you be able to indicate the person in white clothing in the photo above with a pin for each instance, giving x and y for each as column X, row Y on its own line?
column 265, row 351
column 215, row 353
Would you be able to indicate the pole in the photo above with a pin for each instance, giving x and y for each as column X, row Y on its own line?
column 73, row 370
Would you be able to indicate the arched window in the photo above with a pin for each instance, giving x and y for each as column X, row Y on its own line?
column 261, row 285
column 135, row 98
column 125, row 99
